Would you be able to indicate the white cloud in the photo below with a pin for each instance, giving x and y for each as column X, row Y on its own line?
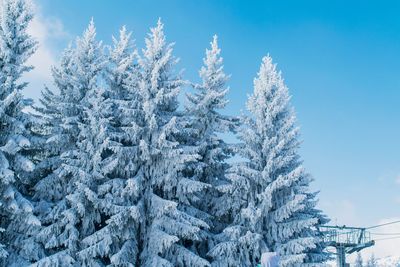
column 46, row 31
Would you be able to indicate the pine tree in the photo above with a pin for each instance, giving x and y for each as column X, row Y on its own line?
column 167, row 229
column 58, row 113
column 90, row 164
column 18, row 224
column 274, row 209
column 116, row 240
column 359, row 261
column 207, row 124
column 71, row 215
column 372, row 261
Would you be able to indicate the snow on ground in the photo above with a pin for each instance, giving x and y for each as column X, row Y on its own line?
column 389, row 261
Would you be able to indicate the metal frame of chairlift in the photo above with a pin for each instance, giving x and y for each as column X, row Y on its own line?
column 346, row 240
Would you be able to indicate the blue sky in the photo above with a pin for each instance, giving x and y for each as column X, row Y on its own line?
column 340, row 60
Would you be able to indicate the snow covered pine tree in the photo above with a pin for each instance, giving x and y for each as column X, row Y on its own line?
column 275, row 210
column 206, row 124
column 17, row 222
column 372, row 261
column 359, row 261
column 166, row 228
column 70, row 215
column 59, row 135
column 116, row 239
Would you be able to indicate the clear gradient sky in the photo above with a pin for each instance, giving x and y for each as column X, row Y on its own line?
column 340, row 60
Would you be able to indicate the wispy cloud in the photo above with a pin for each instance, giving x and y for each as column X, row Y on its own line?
column 47, row 31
